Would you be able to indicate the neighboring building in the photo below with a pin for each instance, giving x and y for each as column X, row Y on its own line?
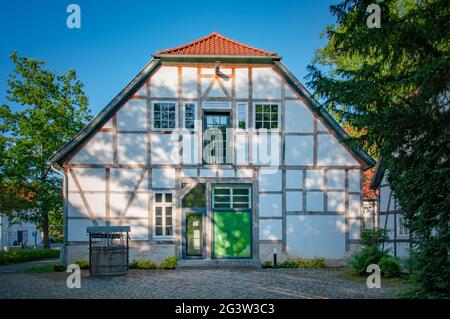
column 19, row 234
column 275, row 174
column 389, row 215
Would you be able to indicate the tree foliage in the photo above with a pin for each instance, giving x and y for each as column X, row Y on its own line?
column 48, row 110
column 392, row 85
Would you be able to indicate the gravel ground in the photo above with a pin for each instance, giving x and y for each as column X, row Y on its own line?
column 196, row 284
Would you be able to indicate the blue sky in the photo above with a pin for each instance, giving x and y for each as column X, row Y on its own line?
column 117, row 37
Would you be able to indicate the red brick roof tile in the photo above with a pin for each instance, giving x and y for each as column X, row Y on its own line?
column 216, row 44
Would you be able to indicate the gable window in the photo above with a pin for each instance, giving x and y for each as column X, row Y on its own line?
column 189, row 116
column 241, row 116
column 163, row 215
column 231, row 197
column 164, row 116
column 266, row 116
column 402, row 229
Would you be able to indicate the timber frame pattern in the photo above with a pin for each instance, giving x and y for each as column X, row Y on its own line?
column 241, row 173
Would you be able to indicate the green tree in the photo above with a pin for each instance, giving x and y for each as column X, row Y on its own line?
column 49, row 109
column 392, row 84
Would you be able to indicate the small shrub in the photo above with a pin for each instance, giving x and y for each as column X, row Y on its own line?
column 374, row 237
column 146, row 264
column 20, row 255
column 169, row 263
column 409, row 264
column 303, row 263
column 82, row 263
column 58, row 267
column 390, row 266
column 133, row 265
column 267, row 264
column 366, row 256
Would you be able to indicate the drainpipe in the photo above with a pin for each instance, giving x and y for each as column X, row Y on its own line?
column 59, row 170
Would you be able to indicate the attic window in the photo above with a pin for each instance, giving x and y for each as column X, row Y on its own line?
column 266, row 116
column 164, row 116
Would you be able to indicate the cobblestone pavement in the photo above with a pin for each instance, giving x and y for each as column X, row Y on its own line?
column 195, row 283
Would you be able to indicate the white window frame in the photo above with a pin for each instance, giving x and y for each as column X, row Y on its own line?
column 236, row 117
column 195, row 116
column 231, row 196
column 278, row 117
column 164, row 205
column 153, row 116
column 400, row 226
column 216, row 105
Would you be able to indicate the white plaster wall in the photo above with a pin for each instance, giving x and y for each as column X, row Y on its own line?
column 90, row 179
column 137, row 209
column 244, row 173
column 288, row 92
column 336, row 179
column 190, row 149
column 132, row 116
column 314, row 201
column 142, row 91
column 225, row 173
column 336, row 201
column 99, row 150
column 266, row 84
column 163, row 178
column 165, row 149
column 269, row 205
column 77, row 208
column 241, row 148
column 385, row 192
column 299, row 150
column 189, row 172
column 314, row 179
column 354, row 180
column 270, row 180
column 294, row 178
column 298, row 118
column 208, row 172
column 354, row 228
column 294, row 201
column 389, row 226
column 138, row 228
column 266, row 149
column 354, row 205
column 403, row 249
column 164, row 82
column 77, row 229
column 108, row 124
column 122, row 179
column 331, row 152
column 241, row 83
column 270, row 229
column 189, row 78
column 316, row 236
column 132, row 148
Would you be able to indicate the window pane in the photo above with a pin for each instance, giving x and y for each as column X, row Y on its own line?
column 157, row 107
column 158, row 198
column 266, row 108
column 158, row 231
column 221, row 191
column 274, row 108
column 168, row 211
column 239, row 205
column 168, row 197
column 157, row 124
column 168, row 231
column 240, row 191
column 258, row 116
column 158, row 211
column 222, row 205
column 258, row 125
column 158, row 221
column 258, row 108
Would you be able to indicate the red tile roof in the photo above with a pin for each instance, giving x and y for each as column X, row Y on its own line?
column 216, row 44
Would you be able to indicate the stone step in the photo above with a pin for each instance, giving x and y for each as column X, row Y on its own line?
column 213, row 263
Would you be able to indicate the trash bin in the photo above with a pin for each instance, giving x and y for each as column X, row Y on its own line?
column 108, row 250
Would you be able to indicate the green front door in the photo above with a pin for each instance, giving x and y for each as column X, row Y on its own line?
column 194, row 234
column 232, row 221
column 232, row 234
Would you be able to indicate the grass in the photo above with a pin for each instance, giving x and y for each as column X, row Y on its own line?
column 41, row 269
column 20, row 255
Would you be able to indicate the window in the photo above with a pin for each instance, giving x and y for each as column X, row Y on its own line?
column 164, row 116
column 266, row 116
column 164, row 211
column 241, row 116
column 231, row 197
column 189, row 116
column 402, row 229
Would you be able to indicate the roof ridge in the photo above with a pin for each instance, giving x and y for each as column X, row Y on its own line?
column 243, row 44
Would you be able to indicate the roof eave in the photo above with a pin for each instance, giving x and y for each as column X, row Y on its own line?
column 214, row 58
column 98, row 121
